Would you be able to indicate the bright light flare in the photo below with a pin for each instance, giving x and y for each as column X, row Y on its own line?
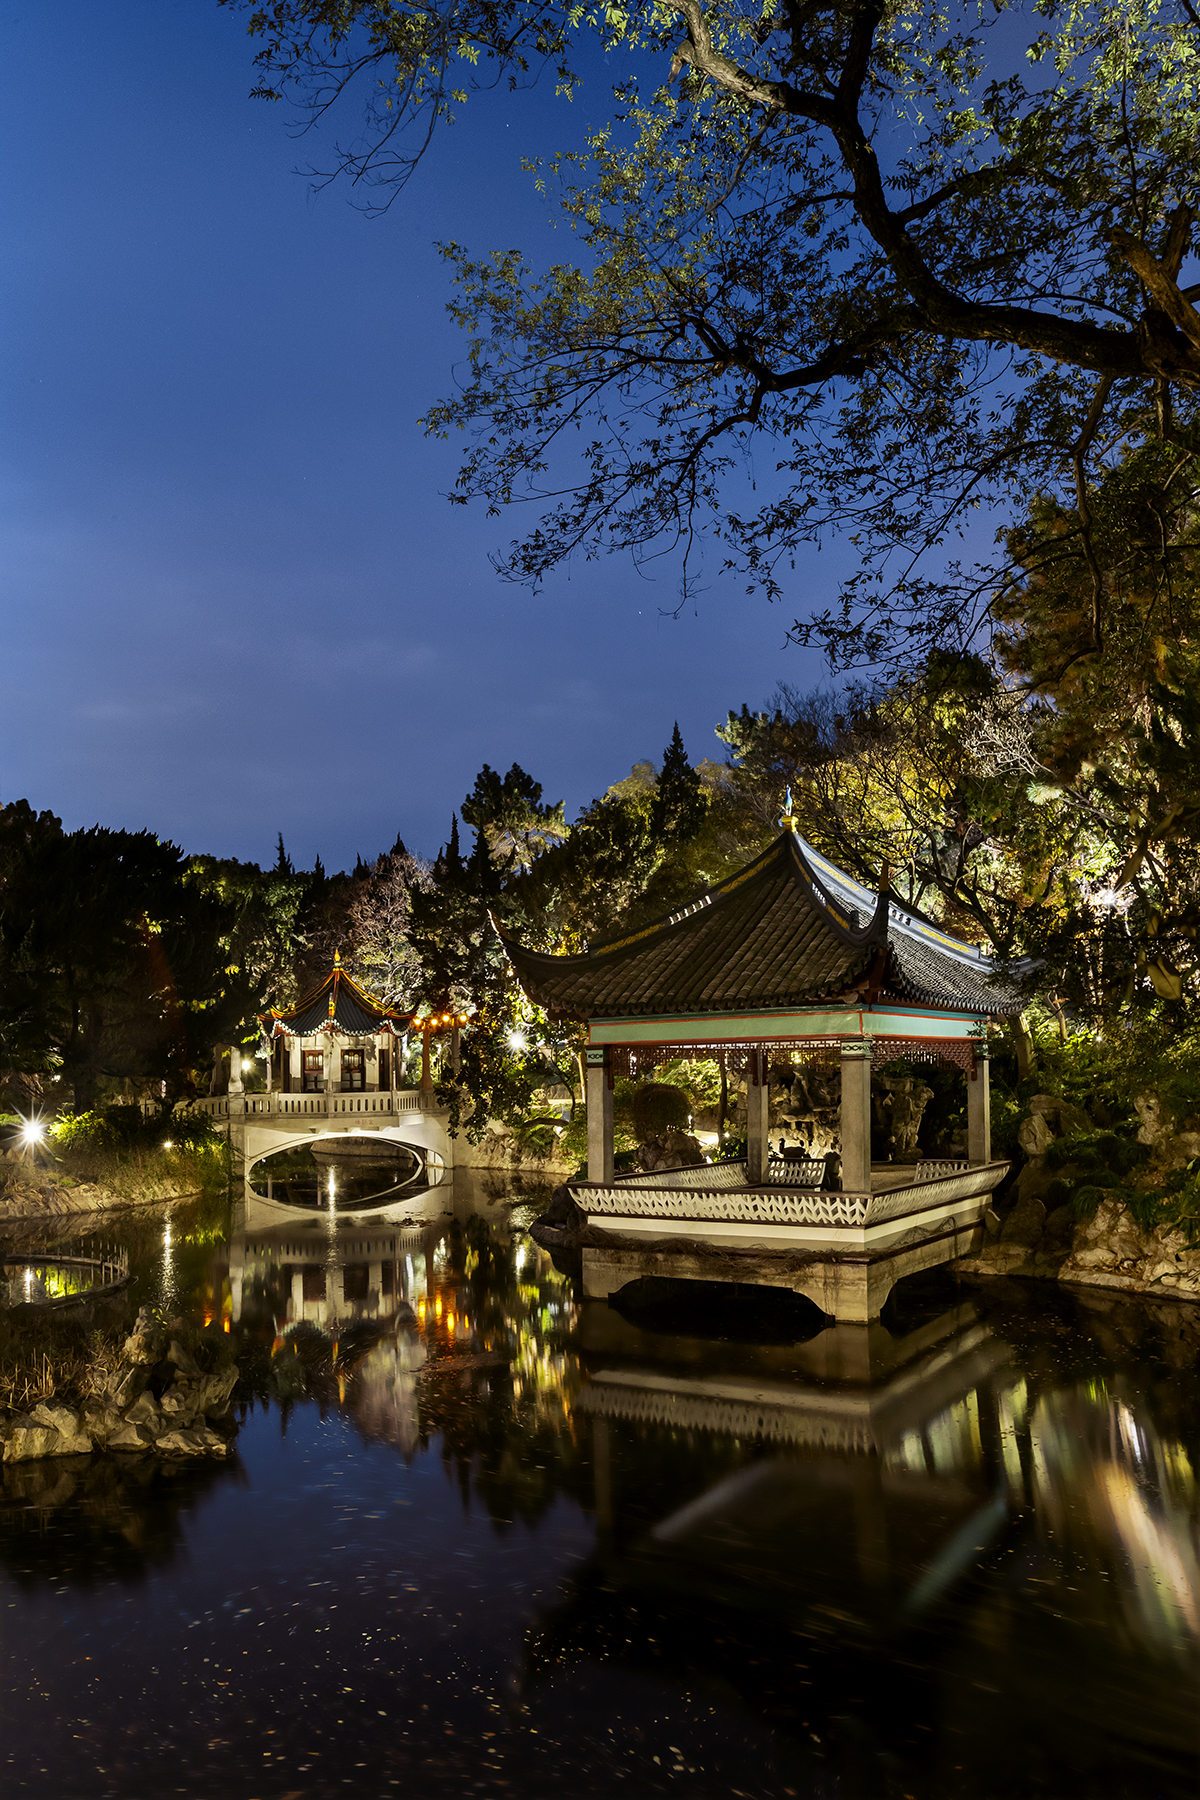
column 33, row 1132
column 517, row 1040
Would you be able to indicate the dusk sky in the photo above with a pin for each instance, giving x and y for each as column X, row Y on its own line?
column 236, row 599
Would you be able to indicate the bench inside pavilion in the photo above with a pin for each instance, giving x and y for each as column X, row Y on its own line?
column 788, row 960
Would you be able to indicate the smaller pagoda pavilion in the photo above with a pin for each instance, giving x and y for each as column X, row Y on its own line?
column 337, row 1039
column 787, row 960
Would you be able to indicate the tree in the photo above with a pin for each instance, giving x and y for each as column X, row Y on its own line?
column 930, row 262
column 680, row 802
column 508, row 814
column 122, row 950
column 1104, row 634
column 380, row 949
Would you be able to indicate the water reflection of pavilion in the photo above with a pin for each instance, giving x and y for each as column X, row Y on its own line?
column 885, row 1452
column 867, row 1536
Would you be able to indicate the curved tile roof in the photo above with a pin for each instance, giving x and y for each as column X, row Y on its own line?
column 339, row 1004
column 788, row 930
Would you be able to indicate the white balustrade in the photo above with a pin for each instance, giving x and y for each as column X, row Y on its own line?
column 283, row 1106
column 701, row 1201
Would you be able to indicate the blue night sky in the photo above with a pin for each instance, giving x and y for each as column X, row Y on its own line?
column 236, row 601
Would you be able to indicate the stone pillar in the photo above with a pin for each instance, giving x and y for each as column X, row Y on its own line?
column 979, row 1107
column 329, row 1068
column 856, row 1117
column 758, row 1150
column 235, row 1069
column 295, row 1066
column 426, row 1076
column 599, row 1116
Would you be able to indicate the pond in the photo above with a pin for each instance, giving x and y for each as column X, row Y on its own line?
column 478, row 1537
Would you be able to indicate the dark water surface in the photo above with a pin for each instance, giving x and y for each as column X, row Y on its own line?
column 480, row 1539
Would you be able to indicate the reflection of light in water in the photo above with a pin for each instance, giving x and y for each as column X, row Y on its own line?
column 1102, row 1474
column 383, row 1391
column 167, row 1281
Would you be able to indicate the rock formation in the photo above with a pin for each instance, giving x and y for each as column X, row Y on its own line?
column 158, row 1398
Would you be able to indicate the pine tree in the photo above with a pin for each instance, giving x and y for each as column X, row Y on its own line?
column 680, row 802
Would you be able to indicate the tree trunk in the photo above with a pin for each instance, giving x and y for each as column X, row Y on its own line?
column 1024, row 1046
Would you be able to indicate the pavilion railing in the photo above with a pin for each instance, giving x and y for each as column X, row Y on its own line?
column 736, row 1203
column 783, row 1171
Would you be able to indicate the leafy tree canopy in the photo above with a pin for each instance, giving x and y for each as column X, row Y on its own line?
column 917, row 260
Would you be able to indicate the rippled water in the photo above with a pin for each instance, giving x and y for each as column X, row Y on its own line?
column 481, row 1539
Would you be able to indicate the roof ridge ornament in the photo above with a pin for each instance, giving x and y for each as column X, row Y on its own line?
column 788, row 819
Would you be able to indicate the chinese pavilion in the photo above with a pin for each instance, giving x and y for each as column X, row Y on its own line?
column 787, row 959
column 337, row 1039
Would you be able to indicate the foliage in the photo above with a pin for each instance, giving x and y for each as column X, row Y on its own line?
column 699, row 1077
column 1098, row 1166
column 379, row 947
column 127, row 1127
column 660, row 1106
column 511, row 818
column 1101, row 626
column 931, row 259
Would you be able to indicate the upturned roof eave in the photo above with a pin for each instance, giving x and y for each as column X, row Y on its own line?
column 532, row 964
column 380, row 1018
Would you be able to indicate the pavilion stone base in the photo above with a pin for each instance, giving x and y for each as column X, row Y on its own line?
column 849, row 1285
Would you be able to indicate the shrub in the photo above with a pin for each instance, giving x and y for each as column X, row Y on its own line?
column 126, row 1128
column 660, row 1106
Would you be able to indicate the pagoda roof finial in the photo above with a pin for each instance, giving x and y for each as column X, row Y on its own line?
column 788, row 820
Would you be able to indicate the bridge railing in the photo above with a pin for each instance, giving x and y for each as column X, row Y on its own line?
column 404, row 1101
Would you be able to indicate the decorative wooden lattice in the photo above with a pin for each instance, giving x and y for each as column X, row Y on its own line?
column 968, row 1184
column 959, row 1051
column 931, row 1169
column 639, row 1059
column 787, row 1053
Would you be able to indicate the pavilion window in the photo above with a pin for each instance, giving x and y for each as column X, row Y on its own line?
column 354, row 1071
column 313, row 1071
